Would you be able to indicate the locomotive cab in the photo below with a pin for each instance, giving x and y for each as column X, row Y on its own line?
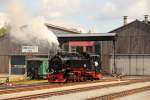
column 94, row 71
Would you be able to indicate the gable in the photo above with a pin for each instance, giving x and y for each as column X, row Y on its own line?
column 134, row 28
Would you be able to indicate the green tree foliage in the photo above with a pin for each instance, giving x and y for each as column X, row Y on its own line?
column 3, row 31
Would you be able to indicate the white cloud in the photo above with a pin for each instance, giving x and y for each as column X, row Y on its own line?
column 93, row 12
column 109, row 7
column 58, row 8
column 67, row 24
column 89, row 13
column 139, row 8
column 58, row 12
column 131, row 8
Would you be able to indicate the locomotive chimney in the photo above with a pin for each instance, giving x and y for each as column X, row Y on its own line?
column 146, row 18
column 125, row 19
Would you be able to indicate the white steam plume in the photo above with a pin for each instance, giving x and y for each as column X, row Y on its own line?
column 27, row 29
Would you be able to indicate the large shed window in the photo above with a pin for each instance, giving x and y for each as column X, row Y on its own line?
column 17, row 65
column 17, row 60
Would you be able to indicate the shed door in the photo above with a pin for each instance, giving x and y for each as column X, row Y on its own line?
column 136, row 65
column 140, row 65
column 122, row 65
column 146, row 68
column 132, row 65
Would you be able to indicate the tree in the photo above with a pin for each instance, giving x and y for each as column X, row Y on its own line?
column 3, row 31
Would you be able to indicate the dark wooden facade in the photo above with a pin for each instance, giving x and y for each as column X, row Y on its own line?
column 9, row 48
column 6, row 48
column 133, row 38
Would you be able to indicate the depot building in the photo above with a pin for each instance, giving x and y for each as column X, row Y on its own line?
column 14, row 56
column 132, row 53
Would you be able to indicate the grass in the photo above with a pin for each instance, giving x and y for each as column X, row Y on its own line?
column 24, row 82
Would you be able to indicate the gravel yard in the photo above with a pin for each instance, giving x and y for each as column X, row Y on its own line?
column 138, row 96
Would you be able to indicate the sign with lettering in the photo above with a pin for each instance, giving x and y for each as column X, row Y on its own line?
column 29, row 49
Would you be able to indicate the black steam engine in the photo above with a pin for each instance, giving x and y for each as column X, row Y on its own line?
column 74, row 67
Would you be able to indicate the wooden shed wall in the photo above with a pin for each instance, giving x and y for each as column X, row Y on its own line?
column 4, row 64
column 8, row 48
column 133, row 38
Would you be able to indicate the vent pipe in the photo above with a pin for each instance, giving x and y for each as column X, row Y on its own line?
column 125, row 19
column 146, row 18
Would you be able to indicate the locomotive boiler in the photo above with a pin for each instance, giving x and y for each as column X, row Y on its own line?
column 74, row 67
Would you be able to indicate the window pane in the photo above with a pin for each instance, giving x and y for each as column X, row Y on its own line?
column 17, row 60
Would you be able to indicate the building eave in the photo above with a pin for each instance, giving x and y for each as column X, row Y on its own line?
column 62, row 28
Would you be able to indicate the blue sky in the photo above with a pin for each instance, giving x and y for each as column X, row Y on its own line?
column 96, row 15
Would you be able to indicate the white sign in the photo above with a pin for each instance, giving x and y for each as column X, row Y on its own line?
column 31, row 49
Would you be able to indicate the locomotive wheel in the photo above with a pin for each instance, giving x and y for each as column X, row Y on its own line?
column 53, row 78
column 91, row 79
column 71, row 77
column 82, row 79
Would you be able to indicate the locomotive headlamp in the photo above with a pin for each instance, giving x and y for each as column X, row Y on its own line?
column 96, row 64
column 84, row 66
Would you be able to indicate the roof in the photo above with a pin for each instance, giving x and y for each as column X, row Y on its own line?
column 62, row 28
column 86, row 37
column 147, row 22
column 135, row 21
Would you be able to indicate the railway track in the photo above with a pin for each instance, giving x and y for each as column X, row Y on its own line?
column 121, row 94
column 15, row 89
column 44, row 95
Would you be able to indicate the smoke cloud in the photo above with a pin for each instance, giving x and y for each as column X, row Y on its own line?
column 27, row 29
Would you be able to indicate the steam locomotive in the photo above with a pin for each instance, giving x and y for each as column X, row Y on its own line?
column 74, row 67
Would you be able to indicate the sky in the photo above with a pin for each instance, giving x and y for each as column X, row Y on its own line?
column 96, row 15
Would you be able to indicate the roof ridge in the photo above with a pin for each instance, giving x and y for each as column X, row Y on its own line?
column 62, row 28
column 136, row 20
